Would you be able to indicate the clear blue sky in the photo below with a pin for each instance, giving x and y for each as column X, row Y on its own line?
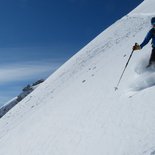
column 37, row 36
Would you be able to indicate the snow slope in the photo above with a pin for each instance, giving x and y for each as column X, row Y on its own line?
column 76, row 110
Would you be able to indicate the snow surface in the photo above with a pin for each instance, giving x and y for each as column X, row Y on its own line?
column 147, row 8
column 76, row 111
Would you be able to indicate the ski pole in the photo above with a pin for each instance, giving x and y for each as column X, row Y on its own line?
column 124, row 68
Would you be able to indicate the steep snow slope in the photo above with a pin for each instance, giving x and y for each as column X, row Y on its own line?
column 146, row 9
column 77, row 112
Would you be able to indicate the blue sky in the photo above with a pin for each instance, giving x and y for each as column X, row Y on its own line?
column 37, row 36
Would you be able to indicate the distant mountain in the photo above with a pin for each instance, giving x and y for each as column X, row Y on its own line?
column 26, row 91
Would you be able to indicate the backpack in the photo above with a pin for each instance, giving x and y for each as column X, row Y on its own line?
column 153, row 36
column 153, row 32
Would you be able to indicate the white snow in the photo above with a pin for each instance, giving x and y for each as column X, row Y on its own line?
column 146, row 8
column 76, row 111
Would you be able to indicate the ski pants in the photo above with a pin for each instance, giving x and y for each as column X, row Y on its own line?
column 152, row 57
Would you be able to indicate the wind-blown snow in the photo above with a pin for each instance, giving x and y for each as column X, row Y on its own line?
column 76, row 110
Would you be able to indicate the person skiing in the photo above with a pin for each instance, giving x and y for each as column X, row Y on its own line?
column 150, row 35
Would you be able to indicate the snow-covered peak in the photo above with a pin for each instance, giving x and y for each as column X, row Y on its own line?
column 147, row 8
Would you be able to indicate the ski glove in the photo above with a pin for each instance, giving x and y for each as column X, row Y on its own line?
column 136, row 47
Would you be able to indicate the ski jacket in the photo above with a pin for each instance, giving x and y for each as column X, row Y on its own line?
column 150, row 35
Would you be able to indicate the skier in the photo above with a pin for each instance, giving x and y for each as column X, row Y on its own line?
column 150, row 35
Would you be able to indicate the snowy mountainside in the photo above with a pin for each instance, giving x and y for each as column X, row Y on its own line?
column 147, row 8
column 76, row 110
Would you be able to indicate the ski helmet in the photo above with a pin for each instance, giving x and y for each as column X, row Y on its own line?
column 153, row 21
